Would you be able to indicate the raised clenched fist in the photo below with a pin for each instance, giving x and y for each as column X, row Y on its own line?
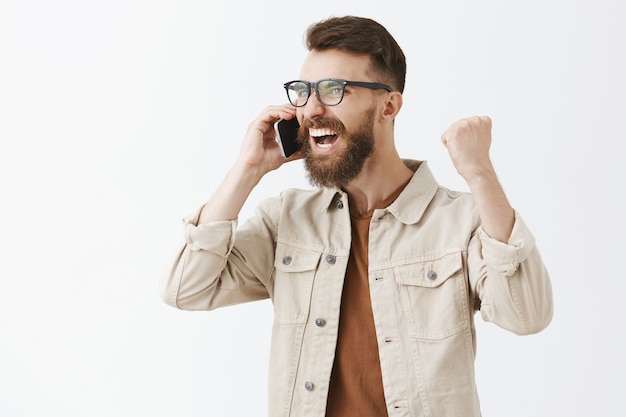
column 468, row 141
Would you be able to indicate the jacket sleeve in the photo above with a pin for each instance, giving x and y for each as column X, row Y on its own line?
column 511, row 280
column 219, row 264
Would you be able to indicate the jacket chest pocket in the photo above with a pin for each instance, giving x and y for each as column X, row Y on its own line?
column 294, row 270
column 434, row 296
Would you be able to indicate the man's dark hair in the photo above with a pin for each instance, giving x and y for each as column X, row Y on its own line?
column 361, row 36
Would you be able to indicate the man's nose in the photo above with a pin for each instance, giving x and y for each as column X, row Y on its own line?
column 313, row 108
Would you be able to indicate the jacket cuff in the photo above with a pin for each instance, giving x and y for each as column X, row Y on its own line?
column 506, row 257
column 216, row 237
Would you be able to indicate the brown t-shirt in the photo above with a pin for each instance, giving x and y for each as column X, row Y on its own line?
column 356, row 386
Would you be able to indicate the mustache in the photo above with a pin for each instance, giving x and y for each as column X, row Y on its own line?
column 334, row 124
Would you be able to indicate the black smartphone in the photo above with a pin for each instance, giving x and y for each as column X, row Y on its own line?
column 286, row 136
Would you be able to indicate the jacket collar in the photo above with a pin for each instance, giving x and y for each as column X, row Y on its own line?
column 412, row 201
column 417, row 195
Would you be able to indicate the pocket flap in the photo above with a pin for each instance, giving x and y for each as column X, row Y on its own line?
column 294, row 259
column 430, row 273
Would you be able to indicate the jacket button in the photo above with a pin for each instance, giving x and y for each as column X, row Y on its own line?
column 308, row 385
column 330, row 259
column 320, row 322
column 431, row 275
column 339, row 204
column 287, row 260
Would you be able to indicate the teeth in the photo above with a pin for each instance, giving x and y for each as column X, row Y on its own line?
column 315, row 132
column 324, row 145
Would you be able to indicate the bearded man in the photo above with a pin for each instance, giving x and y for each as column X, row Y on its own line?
column 375, row 274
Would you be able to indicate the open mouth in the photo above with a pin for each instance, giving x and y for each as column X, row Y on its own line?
column 323, row 137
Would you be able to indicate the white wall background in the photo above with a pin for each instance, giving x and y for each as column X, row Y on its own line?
column 118, row 117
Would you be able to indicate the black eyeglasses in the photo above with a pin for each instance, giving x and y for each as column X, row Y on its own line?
column 329, row 91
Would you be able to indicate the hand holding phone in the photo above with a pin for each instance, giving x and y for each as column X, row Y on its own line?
column 287, row 136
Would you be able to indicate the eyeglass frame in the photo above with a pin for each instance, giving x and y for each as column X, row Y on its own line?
column 343, row 83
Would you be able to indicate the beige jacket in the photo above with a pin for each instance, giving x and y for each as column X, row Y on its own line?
column 431, row 266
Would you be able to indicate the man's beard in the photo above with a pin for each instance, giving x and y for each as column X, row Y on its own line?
column 341, row 167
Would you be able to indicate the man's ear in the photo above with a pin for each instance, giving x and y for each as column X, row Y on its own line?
column 393, row 104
